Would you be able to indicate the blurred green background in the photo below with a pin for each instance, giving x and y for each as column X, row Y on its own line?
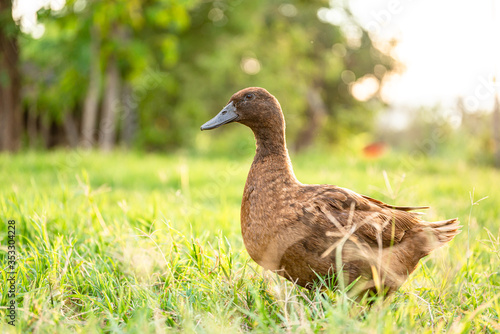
column 146, row 74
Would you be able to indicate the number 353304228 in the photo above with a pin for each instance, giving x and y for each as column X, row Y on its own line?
column 11, row 234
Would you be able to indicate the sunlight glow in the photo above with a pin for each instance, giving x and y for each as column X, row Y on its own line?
column 250, row 65
column 449, row 48
column 365, row 88
column 25, row 11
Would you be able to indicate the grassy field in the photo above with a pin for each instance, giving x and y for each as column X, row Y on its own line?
column 149, row 243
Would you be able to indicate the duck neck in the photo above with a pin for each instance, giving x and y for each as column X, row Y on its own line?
column 270, row 142
column 272, row 152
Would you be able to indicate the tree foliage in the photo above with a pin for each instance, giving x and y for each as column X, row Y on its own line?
column 179, row 61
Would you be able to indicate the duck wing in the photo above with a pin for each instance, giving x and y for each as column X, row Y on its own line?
column 402, row 208
column 362, row 217
column 321, row 219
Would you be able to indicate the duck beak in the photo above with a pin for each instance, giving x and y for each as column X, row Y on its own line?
column 227, row 115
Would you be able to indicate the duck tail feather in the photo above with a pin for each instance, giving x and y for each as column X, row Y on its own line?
column 410, row 208
column 445, row 230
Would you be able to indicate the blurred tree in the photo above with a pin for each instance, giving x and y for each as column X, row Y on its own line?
column 162, row 67
column 91, row 102
column 100, row 50
column 10, row 80
column 288, row 47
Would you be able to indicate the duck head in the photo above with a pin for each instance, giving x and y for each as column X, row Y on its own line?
column 254, row 107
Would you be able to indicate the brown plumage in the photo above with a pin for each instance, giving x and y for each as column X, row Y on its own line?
column 303, row 231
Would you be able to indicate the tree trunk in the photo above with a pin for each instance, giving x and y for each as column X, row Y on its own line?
column 45, row 131
column 10, row 81
column 496, row 131
column 316, row 113
column 31, row 126
column 70, row 129
column 110, row 107
column 91, row 104
column 129, row 121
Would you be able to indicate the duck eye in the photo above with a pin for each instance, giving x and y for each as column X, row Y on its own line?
column 248, row 96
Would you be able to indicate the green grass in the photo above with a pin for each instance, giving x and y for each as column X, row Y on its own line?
column 148, row 243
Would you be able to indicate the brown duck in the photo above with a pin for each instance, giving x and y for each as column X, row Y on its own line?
column 304, row 231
